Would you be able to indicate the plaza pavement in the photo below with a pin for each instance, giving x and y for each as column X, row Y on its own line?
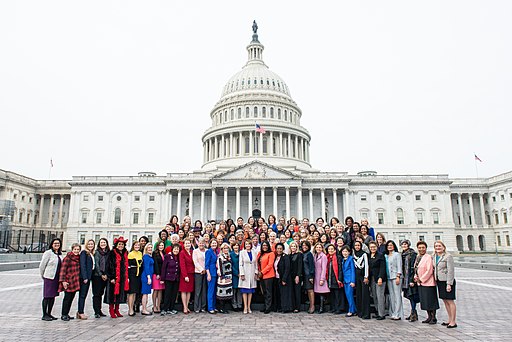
column 484, row 300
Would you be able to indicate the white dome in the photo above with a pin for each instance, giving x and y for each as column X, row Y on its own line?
column 255, row 76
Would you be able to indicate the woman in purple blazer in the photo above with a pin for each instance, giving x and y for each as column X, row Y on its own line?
column 320, row 285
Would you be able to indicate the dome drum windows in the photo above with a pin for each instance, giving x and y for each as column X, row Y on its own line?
column 271, row 112
column 255, row 112
column 264, row 112
column 247, row 112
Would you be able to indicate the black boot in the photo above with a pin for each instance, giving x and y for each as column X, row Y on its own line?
column 434, row 319
column 429, row 318
column 45, row 310
column 414, row 316
column 322, row 303
column 51, row 301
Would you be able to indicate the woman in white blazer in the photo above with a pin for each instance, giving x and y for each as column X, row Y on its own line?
column 49, row 267
column 248, row 268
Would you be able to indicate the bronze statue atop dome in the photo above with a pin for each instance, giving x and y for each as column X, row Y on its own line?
column 254, row 27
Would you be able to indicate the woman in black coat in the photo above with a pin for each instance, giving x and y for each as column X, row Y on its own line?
column 377, row 277
column 296, row 263
column 335, row 279
column 283, row 278
column 117, row 273
column 309, row 274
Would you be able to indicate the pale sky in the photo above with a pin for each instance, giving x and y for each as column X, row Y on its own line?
column 118, row 87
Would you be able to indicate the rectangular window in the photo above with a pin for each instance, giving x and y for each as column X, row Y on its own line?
column 507, row 240
column 488, row 219
column 364, row 215
column 435, row 218
column 437, row 237
column 99, row 217
column 97, row 238
column 502, row 197
column 494, row 198
column 86, row 198
column 100, row 198
column 418, row 197
column 15, row 196
column 380, row 218
column 379, row 197
column 496, row 219
column 363, row 197
column 498, row 238
column 419, row 216
column 433, row 197
column 30, row 200
column 82, row 238
column 84, row 217
column 505, row 218
column 151, row 217
column 151, row 198
column 421, row 238
column 137, row 198
column 135, row 218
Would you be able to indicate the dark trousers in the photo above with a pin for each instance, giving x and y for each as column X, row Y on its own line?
column 268, row 285
column 296, row 295
column 362, row 295
column 98, row 290
column 67, row 301
column 337, row 300
column 276, row 298
column 285, row 295
column 200, row 289
column 170, row 294
column 82, row 295
column 48, row 306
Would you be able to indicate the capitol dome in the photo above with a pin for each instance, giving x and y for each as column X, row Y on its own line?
column 256, row 119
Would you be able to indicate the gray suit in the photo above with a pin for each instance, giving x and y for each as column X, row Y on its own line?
column 444, row 268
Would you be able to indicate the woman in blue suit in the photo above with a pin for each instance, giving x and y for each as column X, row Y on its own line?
column 210, row 264
column 349, row 279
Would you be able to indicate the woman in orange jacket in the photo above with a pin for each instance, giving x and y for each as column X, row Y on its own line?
column 266, row 259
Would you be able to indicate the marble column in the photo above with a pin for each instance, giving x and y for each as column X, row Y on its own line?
column 170, row 205
column 50, row 212
column 251, row 144
column 237, row 204
column 472, row 210
column 461, row 213
column 322, row 199
column 271, row 142
column 191, row 204
column 299, row 204
column 345, row 206
column 225, row 205
column 482, row 210
column 261, row 145
column 178, row 205
column 41, row 208
column 202, row 205
column 213, row 213
column 335, row 201
column 287, row 203
column 249, row 202
column 262, row 195
column 274, row 201
column 311, row 212
column 60, row 211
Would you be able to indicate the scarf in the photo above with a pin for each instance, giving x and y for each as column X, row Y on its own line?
column 332, row 260
column 103, row 259
column 406, row 261
column 137, row 255
column 417, row 262
column 359, row 258
column 119, row 258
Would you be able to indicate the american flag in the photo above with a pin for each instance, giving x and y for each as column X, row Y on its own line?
column 476, row 158
column 260, row 129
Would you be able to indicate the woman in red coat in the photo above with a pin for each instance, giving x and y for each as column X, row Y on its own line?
column 69, row 279
column 186, row 275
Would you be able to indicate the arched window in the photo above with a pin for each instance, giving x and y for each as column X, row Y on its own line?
column 117, row 216
column 232, row 114
column 264, row 112
column 225, row 115
column 274, row 146
column 255, row 112
column 237, row 144
column 285, row 115
column 247, row 112
column 239, row 112
column 271, row 112
column 279, row 113
column 399, row 216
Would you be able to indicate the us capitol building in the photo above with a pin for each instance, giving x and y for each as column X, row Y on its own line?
column 245, row 169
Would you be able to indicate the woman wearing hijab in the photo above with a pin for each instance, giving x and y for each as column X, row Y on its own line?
column 362, row 281
column 117, row 273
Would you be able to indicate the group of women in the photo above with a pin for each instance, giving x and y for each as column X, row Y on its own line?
column 340, row 267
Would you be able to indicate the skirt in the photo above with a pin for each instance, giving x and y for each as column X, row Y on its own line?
column 51, row 287
column 184, row 286
column 428, row 297
column 306, row 285
column 443, row 294
column 135, row 284
column 243, row 290
column 155, row 284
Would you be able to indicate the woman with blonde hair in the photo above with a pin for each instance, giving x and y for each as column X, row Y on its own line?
column 320, row 284
column 147, row 277
column 69, row 279
column 86, row 269
column 134, row 275
column 445, row 278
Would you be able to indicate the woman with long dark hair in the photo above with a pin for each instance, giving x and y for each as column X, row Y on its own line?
column 335, row 279
column 394, row 272
column 409, row 288
column 170, row 274
column 308, row 262
column 99, row 276
column 117, row 272
column 210, row 264
column 157, row 283
column 320, row 285
column 266, row 273
column 49, row 267
column 377, row 268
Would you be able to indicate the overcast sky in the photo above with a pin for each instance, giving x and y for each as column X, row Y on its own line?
column 118, row 87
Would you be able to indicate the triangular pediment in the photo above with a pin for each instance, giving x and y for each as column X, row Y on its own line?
column 256, row 170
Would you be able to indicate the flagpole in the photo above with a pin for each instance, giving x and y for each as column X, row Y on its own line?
column 50, row 170
column 476, row 166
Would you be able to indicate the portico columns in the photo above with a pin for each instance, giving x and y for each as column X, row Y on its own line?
column 178, row 205
column 41, row 203
column 202, row 205
column 214, row 205
column 322, row 199
column 249, row 202
column 311, row 218
column 461, row 213
column 482, row 209
column 50, row 213
column 274, row 200
column 472, row 211
column 287, row 203
column 190, row 203
column 225, row 206
column 299, row 203
column 237, row 204
column 262, row 202
column 60, row 210
column 335, row 201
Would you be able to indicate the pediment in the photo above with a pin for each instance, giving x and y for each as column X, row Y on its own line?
column 256, row 170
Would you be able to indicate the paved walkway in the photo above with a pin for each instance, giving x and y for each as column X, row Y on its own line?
column 484, row 307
